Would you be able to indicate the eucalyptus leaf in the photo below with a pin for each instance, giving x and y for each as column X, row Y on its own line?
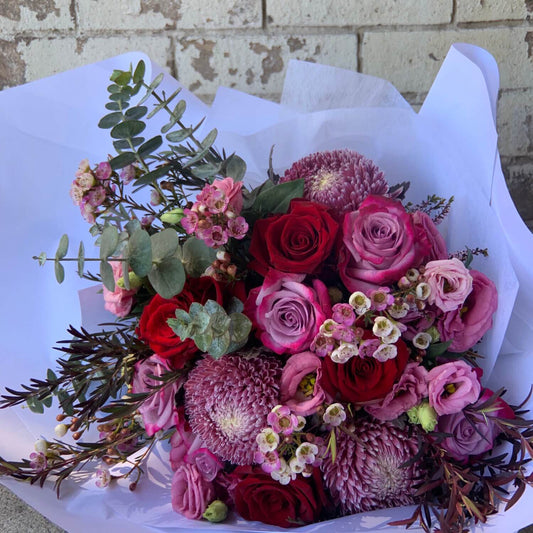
column 41, row 258
column 151, row 177
column 81, row 259
column 167, row 277
column 150, row 146
column 120, row 98
column 240, row 327
column 35, row 405
column 50, row 375
column 47, row 402
column 182, row 315
column 179, row 136
column 204, row 340
column 163, row 104
column 220, row 323
column 123, row 144
column 114, row 106
column 126, row 277
column 62, row 248
column 132, row 226
column 196, row 256
column 121, row 77
column 110, row 120
column 122, row 160
column 59, row 272
column 140, row 253
column 155, row 83
column 113, row 88
column 164, row 244
column 106, row 273
column 137, row 112
column 127, row 129
column 177, row 113
column 219, row 346
column 140, row 69
column 108, row 242
column 207, row 171
column 235, row 167
column 234, row 306
column 213, row 307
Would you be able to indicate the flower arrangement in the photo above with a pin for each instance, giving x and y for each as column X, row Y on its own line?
column 306, row 348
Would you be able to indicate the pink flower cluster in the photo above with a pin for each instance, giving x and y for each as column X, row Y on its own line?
column 214, row 217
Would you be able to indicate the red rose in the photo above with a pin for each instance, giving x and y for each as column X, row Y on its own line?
column 363, row 379
column 297, row 242
column 153, row 327
column 259, row 497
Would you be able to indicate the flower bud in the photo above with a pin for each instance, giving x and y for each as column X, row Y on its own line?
column 216, row 511
column 424, row 415
column 172, row 217
column 60, row 430
column 41, row 446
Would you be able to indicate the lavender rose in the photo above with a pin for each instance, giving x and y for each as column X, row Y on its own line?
column 428, row 233
column 452, row 386
column 287, row 313
column 300, row 389
column 158, row 411
column 465, row 326
column 408, row 392
column 190, row 492
column 450, row 283
column 380, row 243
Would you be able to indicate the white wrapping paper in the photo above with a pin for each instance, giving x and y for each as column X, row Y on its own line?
column 448, row 148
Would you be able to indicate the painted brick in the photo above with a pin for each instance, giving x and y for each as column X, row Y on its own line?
column 256, row 64
column 44, row 57
column 11, row 65
column 515, row 123
column 490, row 10
column 359, row 13
column 520, row 182
column 410, row 60
column 161, row 14
column 18, row 16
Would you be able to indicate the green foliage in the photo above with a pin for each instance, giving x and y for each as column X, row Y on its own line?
column 196, row 256
column 213, row 330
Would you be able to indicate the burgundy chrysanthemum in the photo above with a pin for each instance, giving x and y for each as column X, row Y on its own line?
column 367, row 472
column 339, row 179
column 227, row 402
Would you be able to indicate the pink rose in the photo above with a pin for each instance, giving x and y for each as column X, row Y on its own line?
column 119, row 301
column 450, row 283
column 380, row 243
column 302, row 400
column 158, row 410
column 287, row 313
column 410, row 389
column 233, row 192
column 430, row 235
column 465, row 326
column 452, row 386
column 190, row 492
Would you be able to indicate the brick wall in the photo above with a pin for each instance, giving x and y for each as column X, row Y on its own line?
column 246, row 44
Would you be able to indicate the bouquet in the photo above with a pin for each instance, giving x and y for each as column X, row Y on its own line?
column 306, row 348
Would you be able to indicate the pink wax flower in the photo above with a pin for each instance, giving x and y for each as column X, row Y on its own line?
column 158, row 410
column 232, row 191
column 380, row 243
column 452, row 386
column 96, row 196
column 299, row 387
column 406, row 393
column 103, row 171
column 120, row 300
column 287, row 313
column 465, row 326
column 190, row 492
column 282, row 420
column 450, row 283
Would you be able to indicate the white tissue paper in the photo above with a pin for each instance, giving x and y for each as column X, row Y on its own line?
column 448, row 148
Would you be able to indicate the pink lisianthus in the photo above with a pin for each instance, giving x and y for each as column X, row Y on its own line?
column 450, row 283
column 302, row 400
column 452, row 386
column 406, row 393
column 233, row 193
column 120, row 300
column 465, row 326
column 430, row 235
column 286, row 313
column 190, row 492
column 380, row 243
column 159, row 409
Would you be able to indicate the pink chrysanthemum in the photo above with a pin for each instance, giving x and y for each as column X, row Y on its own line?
column 228, row 400
column 339, row 179
column 367, row 472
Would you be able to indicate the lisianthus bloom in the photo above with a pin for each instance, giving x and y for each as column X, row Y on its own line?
column 297, row 242
column 119, row 301
column 190, row 492
column 379, row 244
column 452, row 386
column 409, row 390
column 300, row 383
column 286, row 313
column 465, row 326
column 450, row 283
column 158, row 410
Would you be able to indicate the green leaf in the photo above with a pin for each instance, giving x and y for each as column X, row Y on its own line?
column 41, row 258
column 234, row 306
column 121, row 77
column 128, row 129
column 110, row 120
column 120, row 98
column 122, row 160
column 150, row 146
column 137, row 112
column 209, row 138
column 240, row 327
column 132, row 226
column 167, row 277
column 206, row 144
column 65, row 401
column 219, row 346
column 196, row 256
column 140, row 253
column 81, row 259
column 234, row 167
column 59, row 272
column 114, row 106
column 178, row 136
column 199, row 317
column 437, row 349
column 151, row 177
column 277, row 199
column 50, row 375
column 164, row 244
column 113, row 88
column 177, row 113
column 140, row 69
column 62, row 249
column 35, row 405
column 123, row 144
column 126, row 278
column 213, row 307
column 106, row 273
column 207, row 171
column 163, row 104
column 47, row 402
column 155, row 83
column 108, row 242
column 204, row 340
column 220, row 323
